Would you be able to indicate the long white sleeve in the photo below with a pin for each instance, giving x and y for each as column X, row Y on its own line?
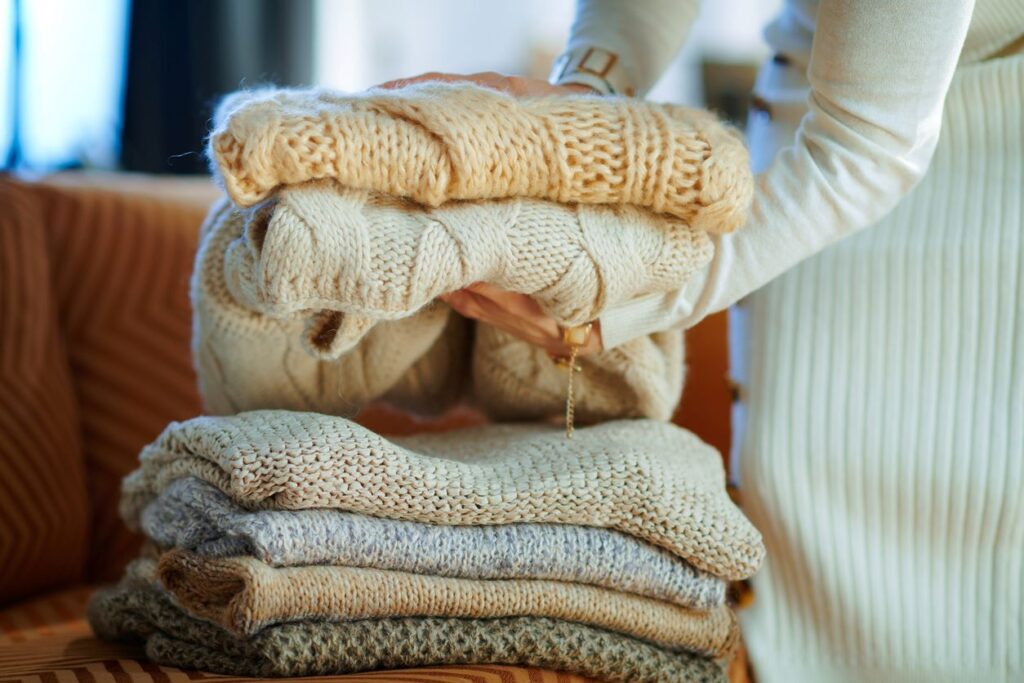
column 878, row 75
column 644, row 34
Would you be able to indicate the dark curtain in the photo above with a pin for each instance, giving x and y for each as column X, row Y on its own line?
column 184, row 54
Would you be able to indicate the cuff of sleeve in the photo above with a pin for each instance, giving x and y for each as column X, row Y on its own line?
column 592, row 66
column 652, row 313
column 637, row 318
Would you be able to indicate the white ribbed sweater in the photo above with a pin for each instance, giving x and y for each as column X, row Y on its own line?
column 883, row 455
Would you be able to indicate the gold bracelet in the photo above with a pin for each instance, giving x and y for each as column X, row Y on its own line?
column 575, row 338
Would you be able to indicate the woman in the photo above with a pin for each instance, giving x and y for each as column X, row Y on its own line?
column 884, row 377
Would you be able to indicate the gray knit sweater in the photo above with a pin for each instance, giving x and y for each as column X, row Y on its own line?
column 195, row 515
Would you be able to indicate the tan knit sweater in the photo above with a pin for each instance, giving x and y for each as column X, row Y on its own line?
column 648, row 479
column 437, row 142
column 245, row 595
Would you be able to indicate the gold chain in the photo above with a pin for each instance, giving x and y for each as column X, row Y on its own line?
column 574, row 338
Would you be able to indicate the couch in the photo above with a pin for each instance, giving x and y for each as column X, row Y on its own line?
column 94, row 362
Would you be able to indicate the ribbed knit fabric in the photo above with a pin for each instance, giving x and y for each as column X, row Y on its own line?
column 436, row 142
column 245, row 595
column 138, row 610
column 884, row 457
column 195, row 515
column 645, row 478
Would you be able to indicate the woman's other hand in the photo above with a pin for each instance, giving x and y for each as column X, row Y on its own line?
column 518, row 315
column 520, row 86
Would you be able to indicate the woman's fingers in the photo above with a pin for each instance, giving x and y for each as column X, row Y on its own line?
column 516, row 314
column 520, row 86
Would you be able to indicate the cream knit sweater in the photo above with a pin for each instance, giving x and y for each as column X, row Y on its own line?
column 648, row 479
column 263, row 338
column 437, row 142
column 245, row 595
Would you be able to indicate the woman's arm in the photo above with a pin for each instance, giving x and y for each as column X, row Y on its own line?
column 878, row 73
column 623, row 46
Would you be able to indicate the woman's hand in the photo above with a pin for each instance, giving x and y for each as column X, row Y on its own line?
column 518, row 315
column 520, row 86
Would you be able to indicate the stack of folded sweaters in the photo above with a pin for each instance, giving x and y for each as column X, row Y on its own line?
column 286, row 539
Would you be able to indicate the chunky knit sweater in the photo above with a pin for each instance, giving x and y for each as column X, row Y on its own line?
column 324, row 246
column 648, row 479
column 139, row 610
column 246, row 360
column 437, row 142
column 194, row 515
column 245, row 595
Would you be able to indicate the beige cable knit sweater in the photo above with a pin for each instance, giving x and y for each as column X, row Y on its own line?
column 648, row 479
column 333, row 362
column 322, row 246
column 436, row 142
column 245, row 595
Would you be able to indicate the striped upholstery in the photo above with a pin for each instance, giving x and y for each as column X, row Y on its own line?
column 48, row 641
column 43, row 505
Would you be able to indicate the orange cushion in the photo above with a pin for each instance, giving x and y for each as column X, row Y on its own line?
column 43, row 507
column 122, row 261
column 48, row 639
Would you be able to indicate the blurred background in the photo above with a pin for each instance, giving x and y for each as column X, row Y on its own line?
column 130, row 84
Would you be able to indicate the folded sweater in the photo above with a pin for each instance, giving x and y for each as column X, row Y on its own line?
column 194, row 515
column 437, row 142
column 323, row 246
column 649, row 479
column 245, row 595
column 248, row 361
column 138, row 610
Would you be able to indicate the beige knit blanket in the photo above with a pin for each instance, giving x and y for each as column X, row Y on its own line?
column 263, row 339
column 437, row 142
column 245, row 595
column 648, row 479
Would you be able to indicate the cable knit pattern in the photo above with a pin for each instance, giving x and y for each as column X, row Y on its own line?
column 436, row 142
column 194, row 515
column 648, row 479
column 324, row 246
column 515, row 380
column 247, row 361
column 245, row 595
column 139, row 611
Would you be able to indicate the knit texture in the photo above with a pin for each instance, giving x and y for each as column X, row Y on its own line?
column 245, row 595
column 516, row 380
column 140, row 611
column 325, row 247
column 332, row 362
column 194, row 515
column 246, row 361
column 436, row 142
column 645, row 478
